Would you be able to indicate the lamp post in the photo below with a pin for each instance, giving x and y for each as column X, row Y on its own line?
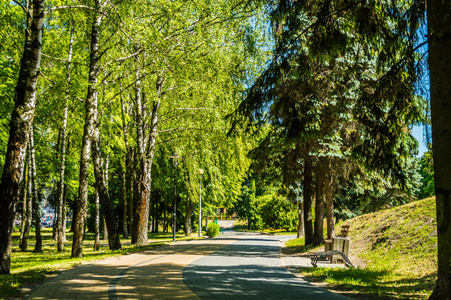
column 201, row 171
column 174, row 217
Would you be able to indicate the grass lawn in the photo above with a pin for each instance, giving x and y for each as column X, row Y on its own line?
column 398, row 249
column 28, row 268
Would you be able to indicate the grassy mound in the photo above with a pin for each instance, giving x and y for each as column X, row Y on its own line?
column 398, row 247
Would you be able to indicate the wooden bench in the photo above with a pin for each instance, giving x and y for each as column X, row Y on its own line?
column 314, row 258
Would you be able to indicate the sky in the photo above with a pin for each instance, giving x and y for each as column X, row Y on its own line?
column 417, row 132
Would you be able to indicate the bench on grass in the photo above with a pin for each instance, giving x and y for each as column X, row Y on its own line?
column 314, row 258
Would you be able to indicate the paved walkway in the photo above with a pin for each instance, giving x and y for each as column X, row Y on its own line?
column 235, row 265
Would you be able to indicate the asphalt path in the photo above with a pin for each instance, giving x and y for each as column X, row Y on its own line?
column 249, row 268
column 231, row 266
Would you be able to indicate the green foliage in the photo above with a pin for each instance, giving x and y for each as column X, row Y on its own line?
column 342, row 92
column 266, row 208
column 426, row 170
column 277, row 212
column 212, row 229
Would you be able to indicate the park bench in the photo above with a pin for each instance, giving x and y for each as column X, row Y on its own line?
column 314, row 258
column 339, row 243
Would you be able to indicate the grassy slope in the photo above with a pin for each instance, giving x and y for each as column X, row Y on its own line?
column 399, row 248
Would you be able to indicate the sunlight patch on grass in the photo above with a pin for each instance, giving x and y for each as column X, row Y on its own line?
column 28, row 268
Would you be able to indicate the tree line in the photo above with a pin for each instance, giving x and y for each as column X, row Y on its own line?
column 330, row 112
column 104, row 93
column 334, row 108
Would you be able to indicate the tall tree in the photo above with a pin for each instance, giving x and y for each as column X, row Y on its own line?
column 27, row 210
column 97, row 223
column 61, row 223
column 320, row 171
column 21, row 120
column 89, row 128
column 34, row 192
column 439, row 18
column 102, row 190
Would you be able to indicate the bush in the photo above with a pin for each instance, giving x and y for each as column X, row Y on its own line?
column 212, row 229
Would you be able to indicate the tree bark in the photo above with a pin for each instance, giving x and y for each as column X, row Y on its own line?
column 131, row 173
column 60, row 196
column 189, row 210
column 308, row 196
column 27, row 211
column 105, row 201
column 135, row 175
column 19, row 128
column 439, row 18
column 125, row 204
column 107, row 159
column 318, row 237
column 36, row 202
column 97, row 224
column 146, row 152
column 88, row 131
column 328, row 190
column 127, row 180
column 64, row 214
column 55, row 217
column 141, row 217
column 156, row 214
column 300, row 232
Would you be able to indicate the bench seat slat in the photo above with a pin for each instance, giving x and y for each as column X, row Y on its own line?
column 314, row 258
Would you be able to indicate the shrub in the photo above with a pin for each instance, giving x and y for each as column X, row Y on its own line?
column 212, row 229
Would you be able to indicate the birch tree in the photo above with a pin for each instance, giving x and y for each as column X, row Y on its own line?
column 21, row 121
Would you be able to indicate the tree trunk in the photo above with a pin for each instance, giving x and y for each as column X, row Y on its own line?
column 104, row 230
column 165, row 221
column 131, row 176
column 308, row 196
column 301, row 220
column 60, row 196
column 127, row 180
column 55, row 218
column 105, row 201
column 19, row 128
column 97, row 224
column 156, row 214
column 328, row 188
column 318, row 237
column 89, row 127
column 74, row 216
column 189, row 210
column 439, row 18
column 27, row 210
column 146, row 152
column 105, row 227
column 63, row 215
column 36, row 202
column 125, row 204
column 141, row 217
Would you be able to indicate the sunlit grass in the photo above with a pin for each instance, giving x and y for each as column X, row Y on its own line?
column 28, row 268
column 381, row 282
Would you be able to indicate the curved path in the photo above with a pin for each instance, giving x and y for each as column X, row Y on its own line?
column 233, row 266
